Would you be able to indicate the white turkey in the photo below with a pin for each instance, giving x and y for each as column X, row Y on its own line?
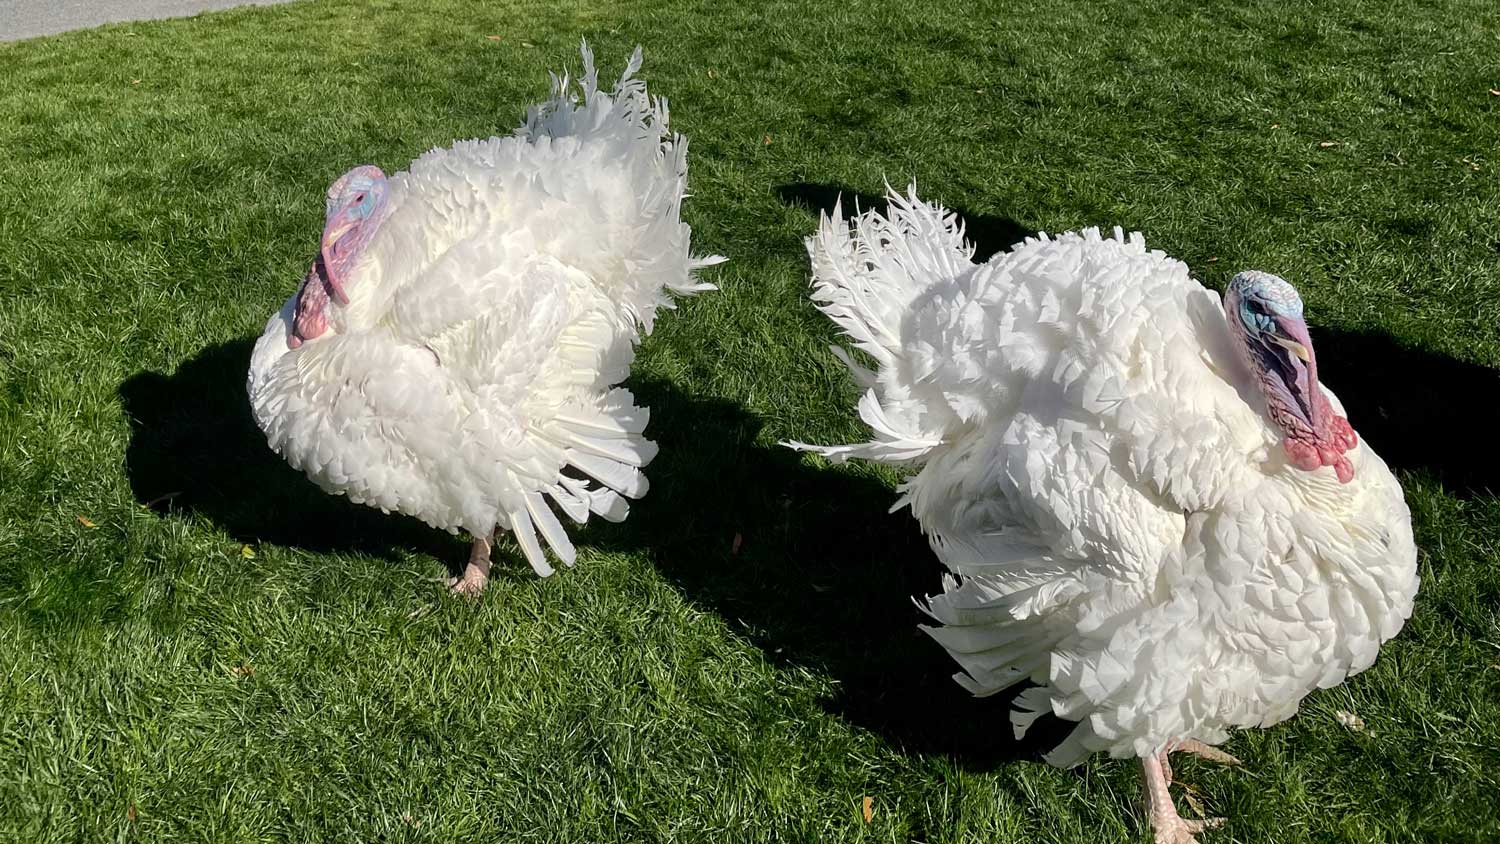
column 453, row 352
column 1149, row 506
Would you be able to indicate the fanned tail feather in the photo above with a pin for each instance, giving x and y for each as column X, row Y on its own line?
column 867, row 273
column 638, row 253
column 521, row 526
column 654, row 254
column 606, row 446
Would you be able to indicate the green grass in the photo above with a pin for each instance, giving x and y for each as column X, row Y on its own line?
column 161, row 191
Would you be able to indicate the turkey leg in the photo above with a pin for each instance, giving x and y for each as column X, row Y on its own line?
column 477, row 572
column 1167, row 826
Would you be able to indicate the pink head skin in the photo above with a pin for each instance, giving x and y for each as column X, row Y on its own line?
column 1265, row 317
column 353, row 212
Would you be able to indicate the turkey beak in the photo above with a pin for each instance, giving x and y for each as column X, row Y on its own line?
column 1291, row 335
column 339, row 225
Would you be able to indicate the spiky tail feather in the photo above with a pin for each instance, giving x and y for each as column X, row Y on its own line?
column 637, row 124
column 867, row 273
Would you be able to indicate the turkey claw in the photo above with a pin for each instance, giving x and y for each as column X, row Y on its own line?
column 1182, row 831
column 468, row 585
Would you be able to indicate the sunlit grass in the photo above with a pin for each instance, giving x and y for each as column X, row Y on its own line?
column 161, row 192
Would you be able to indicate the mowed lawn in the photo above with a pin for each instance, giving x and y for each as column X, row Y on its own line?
column 196, row 645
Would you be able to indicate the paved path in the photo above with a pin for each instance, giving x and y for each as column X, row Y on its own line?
column 30, row 18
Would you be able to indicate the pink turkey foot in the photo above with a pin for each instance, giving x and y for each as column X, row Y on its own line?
column 1166, row 825
column 477, row 573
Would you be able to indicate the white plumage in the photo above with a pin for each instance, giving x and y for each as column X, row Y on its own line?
column 1096, row 468
column 469, row 381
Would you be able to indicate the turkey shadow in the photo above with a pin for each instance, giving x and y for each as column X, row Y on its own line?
column 822, row 576
column 195, row 449
column 990, row 234
column 809, row 564
column 1415, row 407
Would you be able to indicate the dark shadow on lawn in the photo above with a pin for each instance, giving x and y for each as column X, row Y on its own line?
column 989, row 234
column 824, row 576
column 1420, row 411
column 195, row 448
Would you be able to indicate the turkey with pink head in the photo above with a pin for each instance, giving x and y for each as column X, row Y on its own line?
column 455, row 349
column 1149, row 506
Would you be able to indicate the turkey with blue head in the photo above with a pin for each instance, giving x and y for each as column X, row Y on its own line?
column 1151, row 510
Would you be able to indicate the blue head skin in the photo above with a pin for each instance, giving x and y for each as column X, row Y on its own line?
column 1265, row 315
column 352, row 213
